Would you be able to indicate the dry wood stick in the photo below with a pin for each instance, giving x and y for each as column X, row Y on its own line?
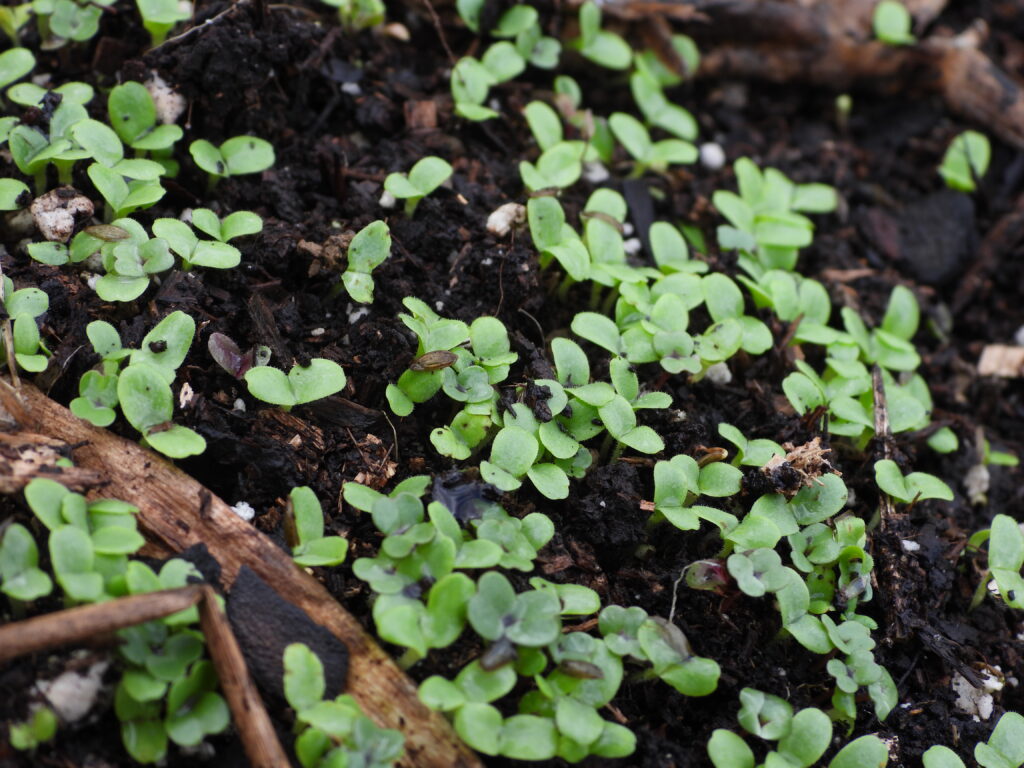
column 247, row 710
column 76, row 625
column 178, row 512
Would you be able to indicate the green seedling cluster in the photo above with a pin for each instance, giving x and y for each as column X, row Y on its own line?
column 305, row 523
column 426, row 596
column 332, row 732
column 23, row 307
column 167, row 691
column 142, row 388
column 424, row 177
column 800, row 739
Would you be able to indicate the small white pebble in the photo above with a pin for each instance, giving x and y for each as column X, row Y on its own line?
column 357, row 313
column 352, row 89
column 240, row 405
column 1018, row 337
column 387, row 200
column 909, row 546
column 632, row 246
column 91, row 280
column 595, row 172
column 601, row 504
column 501, row 220
column 170, row 105
column 495, row 105
column 627, row 229
column 317, row 332
column 712, row 156
column 486, row 262
column 718, row 373
column 397, row 31
column 73, row 694
column 438, row 305
column 244, row 511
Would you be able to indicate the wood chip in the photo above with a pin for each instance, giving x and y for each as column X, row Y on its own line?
column 1001, row 360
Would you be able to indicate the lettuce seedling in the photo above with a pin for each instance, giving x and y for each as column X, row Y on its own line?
column 15, row 63
column 656, row 155
column 367, row 251
column 23, row 307
column 311, row 547
column 802, row 738
column 521, row 22
column 423, row 178
column 195, row 252
column 97, row 389
column 471, row 81
column 600, row 46
column 160, row 16
column 558, row 166
column 33, row 151
column 68, row 19
column 38, row 729
column 129, row 261
column 966, row 161
column 130, row 186
column 235, row 157
column 671, row 254
column 555, row 239
column 437, row 337
column 132, row 115
column 14, row 195
column 20, row 576
column 13, row 18
column 1005, row 747
column 679, row 482
column 303, row 384
column 148, row 404
column 917, row 486
column 766, row 221
column 750, row 453
column 31, row 95
column 332, row 732
column 496, row 612
column 355, row 15
column 1005, row 559
column 237, row 224
column 657, row 110
column 892, row 22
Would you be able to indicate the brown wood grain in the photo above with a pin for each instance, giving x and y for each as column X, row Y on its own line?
column 177, row 512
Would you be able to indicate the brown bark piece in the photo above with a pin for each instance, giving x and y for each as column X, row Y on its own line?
column 178, row 512
column 24, row 457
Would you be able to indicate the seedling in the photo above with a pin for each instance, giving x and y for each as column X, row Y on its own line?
column 917, row 486
column 355, row 15
column 765, row 217
column 132, row 115
column 160, row 16
column 129, row 261
column 228, row 356
column 23, row 307
column 235, row 157
column 20, row 576
column 521, row 23
column 148, row 404
column 679, row 482
column 303, row 384
column 555, row 239
column 600, row 46
column 68, row 19
column 658, row 111
column 367, row 251
column 750, row 453
column 31, row 95
column 558, row 166
column 14, row 194
column 131, row 186
column 471, row 81
column 193, row 251
column 892, row 23
column 38, row 729
column 423, row 178
column 33, row 151
column 15, row 63
column 966, row 161
column 306, row 518
column 237, row 224
column 13, row 18
column 332, row 732
column 656, row 155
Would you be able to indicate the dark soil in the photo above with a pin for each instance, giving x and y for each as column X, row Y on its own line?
column 282, row 81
